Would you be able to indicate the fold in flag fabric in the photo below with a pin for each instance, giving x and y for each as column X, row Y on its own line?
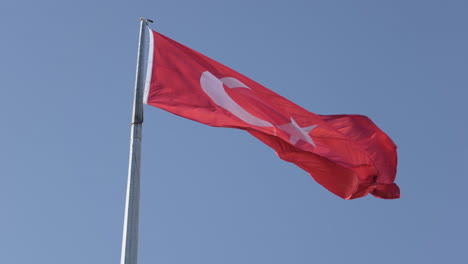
column 347, row 154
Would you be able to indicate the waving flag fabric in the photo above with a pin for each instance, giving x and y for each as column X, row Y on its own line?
column 347, row 154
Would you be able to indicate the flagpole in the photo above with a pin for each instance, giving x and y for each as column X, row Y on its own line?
column 132, row 202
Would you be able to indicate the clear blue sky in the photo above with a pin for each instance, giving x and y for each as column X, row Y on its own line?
column 214, row 195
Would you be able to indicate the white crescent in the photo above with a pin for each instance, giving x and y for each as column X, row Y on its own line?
column 213, row 87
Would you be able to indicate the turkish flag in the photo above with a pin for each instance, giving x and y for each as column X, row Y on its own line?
column 347, row 154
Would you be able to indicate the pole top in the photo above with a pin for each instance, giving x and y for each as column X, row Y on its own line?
column 146, row 20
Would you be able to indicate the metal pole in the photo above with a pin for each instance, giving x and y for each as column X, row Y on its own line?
column 132, row 203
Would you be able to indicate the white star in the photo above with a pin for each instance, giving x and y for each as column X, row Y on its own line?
column 297, row 133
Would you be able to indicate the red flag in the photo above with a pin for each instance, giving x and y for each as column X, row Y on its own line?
column 347, row 154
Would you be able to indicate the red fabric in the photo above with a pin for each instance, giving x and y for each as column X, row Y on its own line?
column 347, row 154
